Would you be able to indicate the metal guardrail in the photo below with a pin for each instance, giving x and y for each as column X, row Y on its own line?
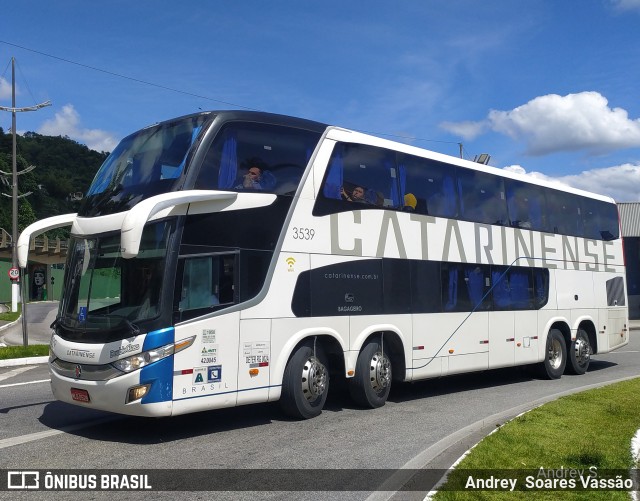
column 5, row 238
column 53, row 250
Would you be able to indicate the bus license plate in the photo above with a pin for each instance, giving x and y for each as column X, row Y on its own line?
column 80, row 395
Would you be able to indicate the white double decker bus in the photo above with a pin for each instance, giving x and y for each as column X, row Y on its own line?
column 229, row 258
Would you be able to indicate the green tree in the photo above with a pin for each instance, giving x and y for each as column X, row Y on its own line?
column 26, row 214
column 63, row 167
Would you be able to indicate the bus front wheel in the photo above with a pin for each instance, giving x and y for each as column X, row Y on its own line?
column 579, row 353
column 555, row 358
column 372, row 381
column 305, row 383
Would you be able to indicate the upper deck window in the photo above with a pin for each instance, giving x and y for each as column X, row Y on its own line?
column 481, row 197
column 360, row 176
column 249, row 156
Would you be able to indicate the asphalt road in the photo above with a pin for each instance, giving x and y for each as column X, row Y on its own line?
column 423, row 425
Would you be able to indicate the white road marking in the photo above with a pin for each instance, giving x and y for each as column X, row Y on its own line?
column 15, row 372
column 23, row 439
column 21, row 384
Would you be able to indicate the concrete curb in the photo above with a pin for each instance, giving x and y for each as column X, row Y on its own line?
column 15, row 362
column 6, row 326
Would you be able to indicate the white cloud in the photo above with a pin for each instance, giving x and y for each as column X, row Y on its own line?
column 67, row 123
column 626, row 5
column 467, row 130
column 581, row 121
column 553, row 123
column 5, row 89
column 621, row 182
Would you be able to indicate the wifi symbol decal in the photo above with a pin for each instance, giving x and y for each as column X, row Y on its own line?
column 291, row 262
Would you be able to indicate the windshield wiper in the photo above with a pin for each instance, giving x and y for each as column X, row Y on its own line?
column 134, row 328
column 95, row 317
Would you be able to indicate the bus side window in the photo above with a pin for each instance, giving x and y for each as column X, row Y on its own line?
column 333, row 182
column 370, row 170
column 518, row 288
column 431, row 183
column 482, row 197
column 600, row 220
column 564, row 213
column 200, row 287
column 206, row 283
column 541, row 286
column 464, row 287
column 526, row 205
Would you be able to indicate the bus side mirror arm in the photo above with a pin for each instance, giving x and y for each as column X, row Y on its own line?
column 37, row 228
column 140, row 214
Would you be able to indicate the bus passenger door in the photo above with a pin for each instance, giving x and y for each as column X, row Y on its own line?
column 616, row 313
column 205, row 375
column 209, row 367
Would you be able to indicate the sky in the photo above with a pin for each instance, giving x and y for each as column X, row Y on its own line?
column 549, row 88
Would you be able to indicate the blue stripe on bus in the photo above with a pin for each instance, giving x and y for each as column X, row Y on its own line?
column 160, row 373
column 155, row 339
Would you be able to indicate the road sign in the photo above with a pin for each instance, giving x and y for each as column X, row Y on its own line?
column 14, row 273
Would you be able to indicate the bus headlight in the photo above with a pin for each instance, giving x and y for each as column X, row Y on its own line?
column 135, row 362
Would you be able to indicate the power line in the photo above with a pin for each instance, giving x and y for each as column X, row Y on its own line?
column 25, row 82
column 412, row 138
column 187, row 93
column 119, row 75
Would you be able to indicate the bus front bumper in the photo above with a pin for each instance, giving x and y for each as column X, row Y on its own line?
column 112, row 395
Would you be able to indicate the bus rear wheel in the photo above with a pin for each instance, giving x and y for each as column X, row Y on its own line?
column 579, row 354
column 305, row 383
column 372, row 382
column 555, row 358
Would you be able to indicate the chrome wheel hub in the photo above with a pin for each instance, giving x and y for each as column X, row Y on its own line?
column 380, row 371
column 314, row 379
column 582, row 351
column 555, row 354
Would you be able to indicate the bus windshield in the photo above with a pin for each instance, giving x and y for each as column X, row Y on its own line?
column 107, row 294
column 144, row 164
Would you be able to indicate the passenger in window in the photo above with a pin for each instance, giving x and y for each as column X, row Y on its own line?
column 252, row 180
column 410, row 203
column 357, row 195
column 197, row 293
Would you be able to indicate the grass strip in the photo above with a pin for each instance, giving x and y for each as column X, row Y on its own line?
column 11, row 316
column 33, row 350
column 588, row 430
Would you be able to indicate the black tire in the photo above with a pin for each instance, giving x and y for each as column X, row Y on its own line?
column 372, row 382
column 305, row 383
column 579, row 354
column 555, row 358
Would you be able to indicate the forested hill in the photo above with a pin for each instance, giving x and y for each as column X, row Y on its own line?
column 64, row 170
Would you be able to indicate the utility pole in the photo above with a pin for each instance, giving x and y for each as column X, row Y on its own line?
column 15, row 287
